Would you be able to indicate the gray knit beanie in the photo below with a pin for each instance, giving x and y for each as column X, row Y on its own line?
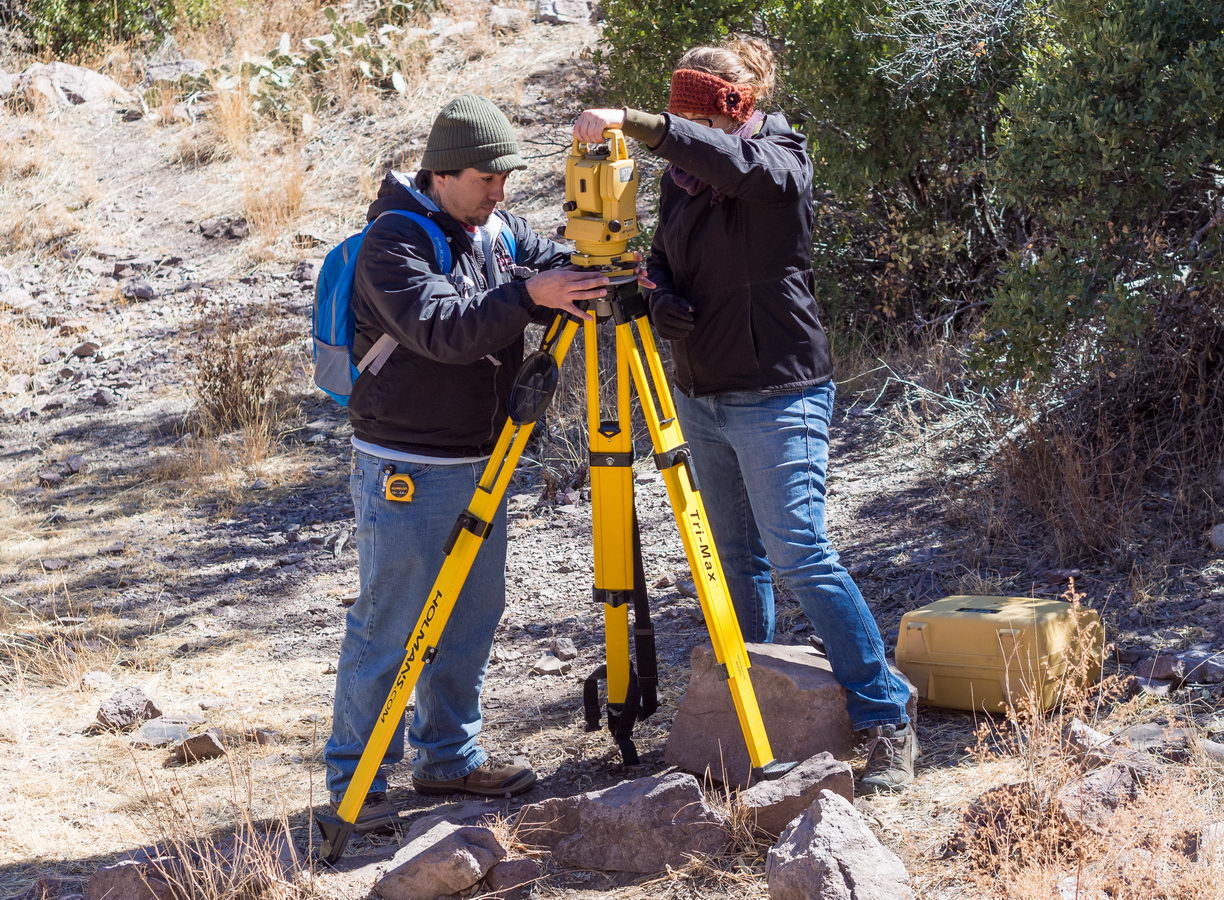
column 470, row 132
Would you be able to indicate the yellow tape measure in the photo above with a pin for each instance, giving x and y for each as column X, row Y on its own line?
column 400, row 487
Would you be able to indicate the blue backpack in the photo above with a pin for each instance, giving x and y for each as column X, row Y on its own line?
column 334, row 325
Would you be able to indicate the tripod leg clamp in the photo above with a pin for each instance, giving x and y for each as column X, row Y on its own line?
column 467, row 521
column 680, row 454
column 336, row 833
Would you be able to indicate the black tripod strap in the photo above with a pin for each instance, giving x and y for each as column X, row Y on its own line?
column 621, row 717
column 643, row 632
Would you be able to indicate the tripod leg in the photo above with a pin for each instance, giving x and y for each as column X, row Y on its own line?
column 465, row 541
column 611, row 472
column 672, row 458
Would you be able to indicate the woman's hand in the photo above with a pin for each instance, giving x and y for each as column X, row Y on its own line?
column 591, row 125
column 639, row 270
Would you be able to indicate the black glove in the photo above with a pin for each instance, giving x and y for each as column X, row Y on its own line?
column 672, row 315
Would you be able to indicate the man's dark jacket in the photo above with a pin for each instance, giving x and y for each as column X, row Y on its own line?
column 444, row 390
column 743, row 259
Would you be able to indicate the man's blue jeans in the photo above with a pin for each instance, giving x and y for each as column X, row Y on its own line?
column 400, row 551
column 761, row 460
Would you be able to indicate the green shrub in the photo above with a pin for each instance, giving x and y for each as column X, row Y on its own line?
column 1112, row 149
column 69, row 27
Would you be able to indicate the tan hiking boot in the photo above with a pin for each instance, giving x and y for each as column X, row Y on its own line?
column 489, row 780
column 376, row 816
column 890, row 759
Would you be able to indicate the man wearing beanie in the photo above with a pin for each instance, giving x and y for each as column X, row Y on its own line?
column 431, row 409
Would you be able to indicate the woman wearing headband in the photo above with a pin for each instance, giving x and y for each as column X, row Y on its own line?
column 736, row 296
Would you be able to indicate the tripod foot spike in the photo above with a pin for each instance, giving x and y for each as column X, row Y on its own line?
column 772, row 770
column 336, row 833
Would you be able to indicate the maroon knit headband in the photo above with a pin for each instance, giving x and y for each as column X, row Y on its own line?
column 701, row 92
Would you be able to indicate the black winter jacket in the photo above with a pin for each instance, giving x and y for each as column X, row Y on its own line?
column 444, row 390
column 744, row 261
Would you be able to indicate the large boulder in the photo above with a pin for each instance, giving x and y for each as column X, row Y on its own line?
column 706, row 734
column 830, row 853
column 61, row 84
column 773, row 804
column 445, row 860
column 643, row 826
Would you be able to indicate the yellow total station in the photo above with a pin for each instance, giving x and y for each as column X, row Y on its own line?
column 601, row 182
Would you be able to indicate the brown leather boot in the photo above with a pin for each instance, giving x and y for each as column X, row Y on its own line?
column 489, row 780
column 890, row 759
column 376, row 816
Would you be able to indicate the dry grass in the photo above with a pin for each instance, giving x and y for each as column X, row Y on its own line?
column 273, row 204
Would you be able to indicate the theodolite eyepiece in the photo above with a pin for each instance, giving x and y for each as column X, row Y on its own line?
column 601, row 182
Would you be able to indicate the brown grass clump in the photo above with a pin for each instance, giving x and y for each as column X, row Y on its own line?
column 271, row 203
column 249, row 859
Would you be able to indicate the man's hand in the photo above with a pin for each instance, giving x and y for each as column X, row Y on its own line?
column 561, row 288
column 591, row 125
column 672, row 316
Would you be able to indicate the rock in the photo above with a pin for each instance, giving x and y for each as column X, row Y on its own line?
column 47, row 887
column 548, row 664
column 1213, row 751
column 1215, row 537
column 134, row 879
column 1094, row 749
column 306, row 270
column 1202, row 666
column 512, row 879
column 200, row 747
column 1072, row 888
column 1155, row 737
column 7, row 83
column 137, row 289
column 563, row 648
column 114, row 549
column 75, row 464
column 172, row 71
column 85, row 350
column 773, row 804
column 96, row 681
column 1090, row 801
column 261, row 736
column 706, row 733
column 1163, row 667
column 465, row 812
column 1149, row 686
column 103, row 397
column 685, row 587
column 54, row 564
column 161, row 732
column 447, row 33
column 504, row 18
column 126, row 708
column 445, row 860
column 830, row 853
column 50, row 478
column 246, row 865
column 1207, row 845
column 62, row 84
column 564, row 12
column 642, row 826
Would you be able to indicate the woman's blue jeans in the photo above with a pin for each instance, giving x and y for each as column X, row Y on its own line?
column 761, row 460
column 400, row 551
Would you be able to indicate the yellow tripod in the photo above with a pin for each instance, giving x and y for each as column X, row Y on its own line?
column 595, row 177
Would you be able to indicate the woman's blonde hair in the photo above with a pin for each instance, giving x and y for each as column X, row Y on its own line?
column 740, row 60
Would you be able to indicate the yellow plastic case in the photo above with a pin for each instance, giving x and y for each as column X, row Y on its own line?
column 986, row 653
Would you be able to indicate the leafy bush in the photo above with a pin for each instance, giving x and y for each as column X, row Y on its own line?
column 68, row 27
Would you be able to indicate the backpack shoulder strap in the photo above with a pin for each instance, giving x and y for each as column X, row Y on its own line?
column 442, row 251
